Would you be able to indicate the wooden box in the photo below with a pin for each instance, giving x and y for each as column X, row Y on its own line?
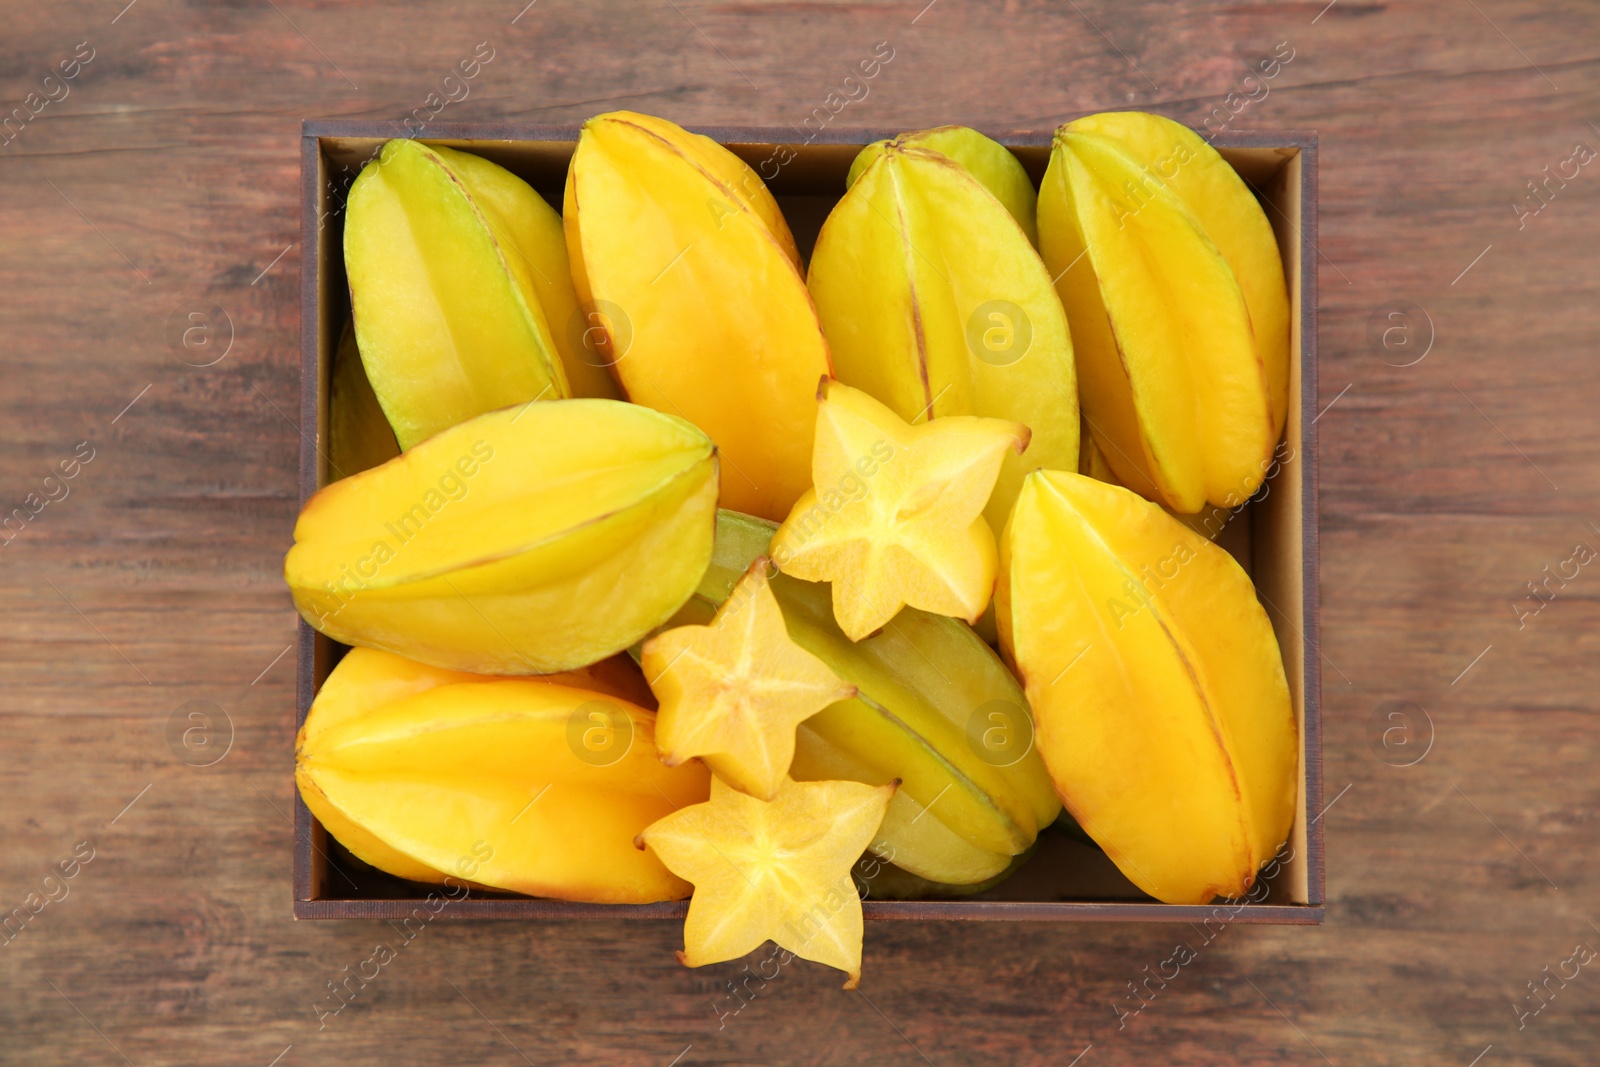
column 1276, row 539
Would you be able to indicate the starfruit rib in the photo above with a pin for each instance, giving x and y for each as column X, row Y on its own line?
column 919, row 353
column 1174, row 743
column 911, row 313
column 1162, row 618
column 687, row 458
column 987, row 160
column 757, row 198
column 1230, row 215
column 555, row 537
column 430, row 771
column 431, row 366
column 550, row 358
column 729, row 339
column 1021, row 837
column 498, row 575
column 1200, row 396
column 535, row 232
column 366, row 680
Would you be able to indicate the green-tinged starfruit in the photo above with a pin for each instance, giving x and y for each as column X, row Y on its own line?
column 463, row 299
column 934, row 708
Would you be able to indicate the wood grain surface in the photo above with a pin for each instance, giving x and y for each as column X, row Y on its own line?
column 1457, row 445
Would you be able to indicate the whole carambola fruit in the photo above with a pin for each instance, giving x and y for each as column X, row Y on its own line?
column 462, row 295
column 935, row 302
column 535, row 539
column 697, row 299
column 1172, row 280
column 935, row 708
column 533, row 785
column 1156, row 683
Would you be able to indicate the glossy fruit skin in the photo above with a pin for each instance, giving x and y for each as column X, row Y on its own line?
column 1183, row 349
column 526, row 541
column 936, row 304
column 434, row 775
column 962, row 811
column 462, row 298
column 1231, row 216
column 692, row 280
column 986, row 159
column 1209, row 521
column 1175, row 291
column 1156, row 684
column 359, row 437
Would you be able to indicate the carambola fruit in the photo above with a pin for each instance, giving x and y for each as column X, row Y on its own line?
column 1156, row 684
column 359, row 437
column 462, row 296
column 986, row 159
column 777, row 870
column 693, row 281
column 934, row 708
column 1171, row 278
column 534, row 539
column 935, row 302
column 533, row 785
column 896, row 515
column 733, row 692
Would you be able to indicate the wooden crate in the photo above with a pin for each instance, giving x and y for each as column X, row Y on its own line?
column 1275, row 540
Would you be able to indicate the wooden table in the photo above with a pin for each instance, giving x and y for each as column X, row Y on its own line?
column 164, row 183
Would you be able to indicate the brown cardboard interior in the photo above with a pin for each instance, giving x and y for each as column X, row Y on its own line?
column 1065, row 878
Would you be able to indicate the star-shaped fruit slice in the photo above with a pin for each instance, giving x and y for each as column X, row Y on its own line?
column 773, row 870
column 895, row 515
column 733, row 692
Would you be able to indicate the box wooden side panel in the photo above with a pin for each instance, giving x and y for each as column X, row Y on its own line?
column 1305, row 281
column 307, row 879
